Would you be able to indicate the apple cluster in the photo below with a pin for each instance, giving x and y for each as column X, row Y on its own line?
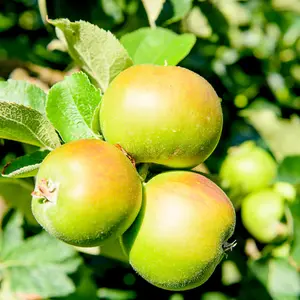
column 173, row 226
column 248, row 175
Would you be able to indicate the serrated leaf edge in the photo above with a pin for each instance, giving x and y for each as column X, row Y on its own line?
column 33, row 133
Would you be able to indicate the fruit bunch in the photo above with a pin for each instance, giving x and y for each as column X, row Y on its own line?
column 173, row 224
column 248, row 174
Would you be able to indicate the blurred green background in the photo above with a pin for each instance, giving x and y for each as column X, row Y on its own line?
column 249, row 50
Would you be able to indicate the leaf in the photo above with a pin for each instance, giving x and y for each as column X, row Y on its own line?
column 295, row 250
column 22, row 92
column 12, row 236
column 281, row 135
column 86, row 287
column 116, row 294
column 24, row 124
column 153, row 9
column 260, row 269
column 156, row 46
column 181, row 8
column 96, row 51
column 113, row 9
column 284, row 280
column 96, row 120
column 40, row 265
column 70, row 107
column 277, row 276
column 289, row 170
column 234, row 12
column 17, row 194
column 25, row 166
column 43, row 280
column 196, row 22
column 278, row 86
column 113, row 249
column 41, row 249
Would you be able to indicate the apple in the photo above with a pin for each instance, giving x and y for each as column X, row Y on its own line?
column 181, row 232
column 261, row 214
column 86, row 192
column 165, row 115
column 247, row 168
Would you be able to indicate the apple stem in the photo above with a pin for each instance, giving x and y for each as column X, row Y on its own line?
column 47, row 190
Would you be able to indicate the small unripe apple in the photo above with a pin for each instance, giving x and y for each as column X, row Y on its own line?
column 181, row 232
column 166, row 115
column 261, row 215
column 286, row 190
column 247, row 168
column 86, row 193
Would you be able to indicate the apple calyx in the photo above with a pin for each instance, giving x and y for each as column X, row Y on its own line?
column 229, row 246
column 46, row 190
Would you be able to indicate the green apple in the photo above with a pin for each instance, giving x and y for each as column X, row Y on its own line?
column 86, row 193
column 165, row 115
column 247, row 168
column 261, row 215
column 181, row 233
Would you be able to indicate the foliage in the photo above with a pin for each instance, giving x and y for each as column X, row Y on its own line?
column 248, row 50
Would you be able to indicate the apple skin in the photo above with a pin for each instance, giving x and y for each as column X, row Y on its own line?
column 166, row 115
column 247, row 168
column 180, row 234
column 261, row 213
column 98, row 193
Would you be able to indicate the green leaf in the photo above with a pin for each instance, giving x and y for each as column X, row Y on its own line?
column 12, row 236
column 153, row 9
column 289, row 170
column 25, row 166
column 181, row 8
column 40, row 265
column 277, row 276
column 22, row 92
column 71, row 105
column 17, row 194
column 24, row 124
column 196, row 22
column 112, row 249
column 281, row 135
column 96, row 120
column 260, row 269
column 213, row 296
column 96, row 51
column 113, row 8
column 43, row 280
column 86, row 288
column 234, row 12
column 116, row 294
column 281, row 91
column 284, row 280
column 156, row 46
column 41, row 249
column 295, row 250
column 230, row 273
